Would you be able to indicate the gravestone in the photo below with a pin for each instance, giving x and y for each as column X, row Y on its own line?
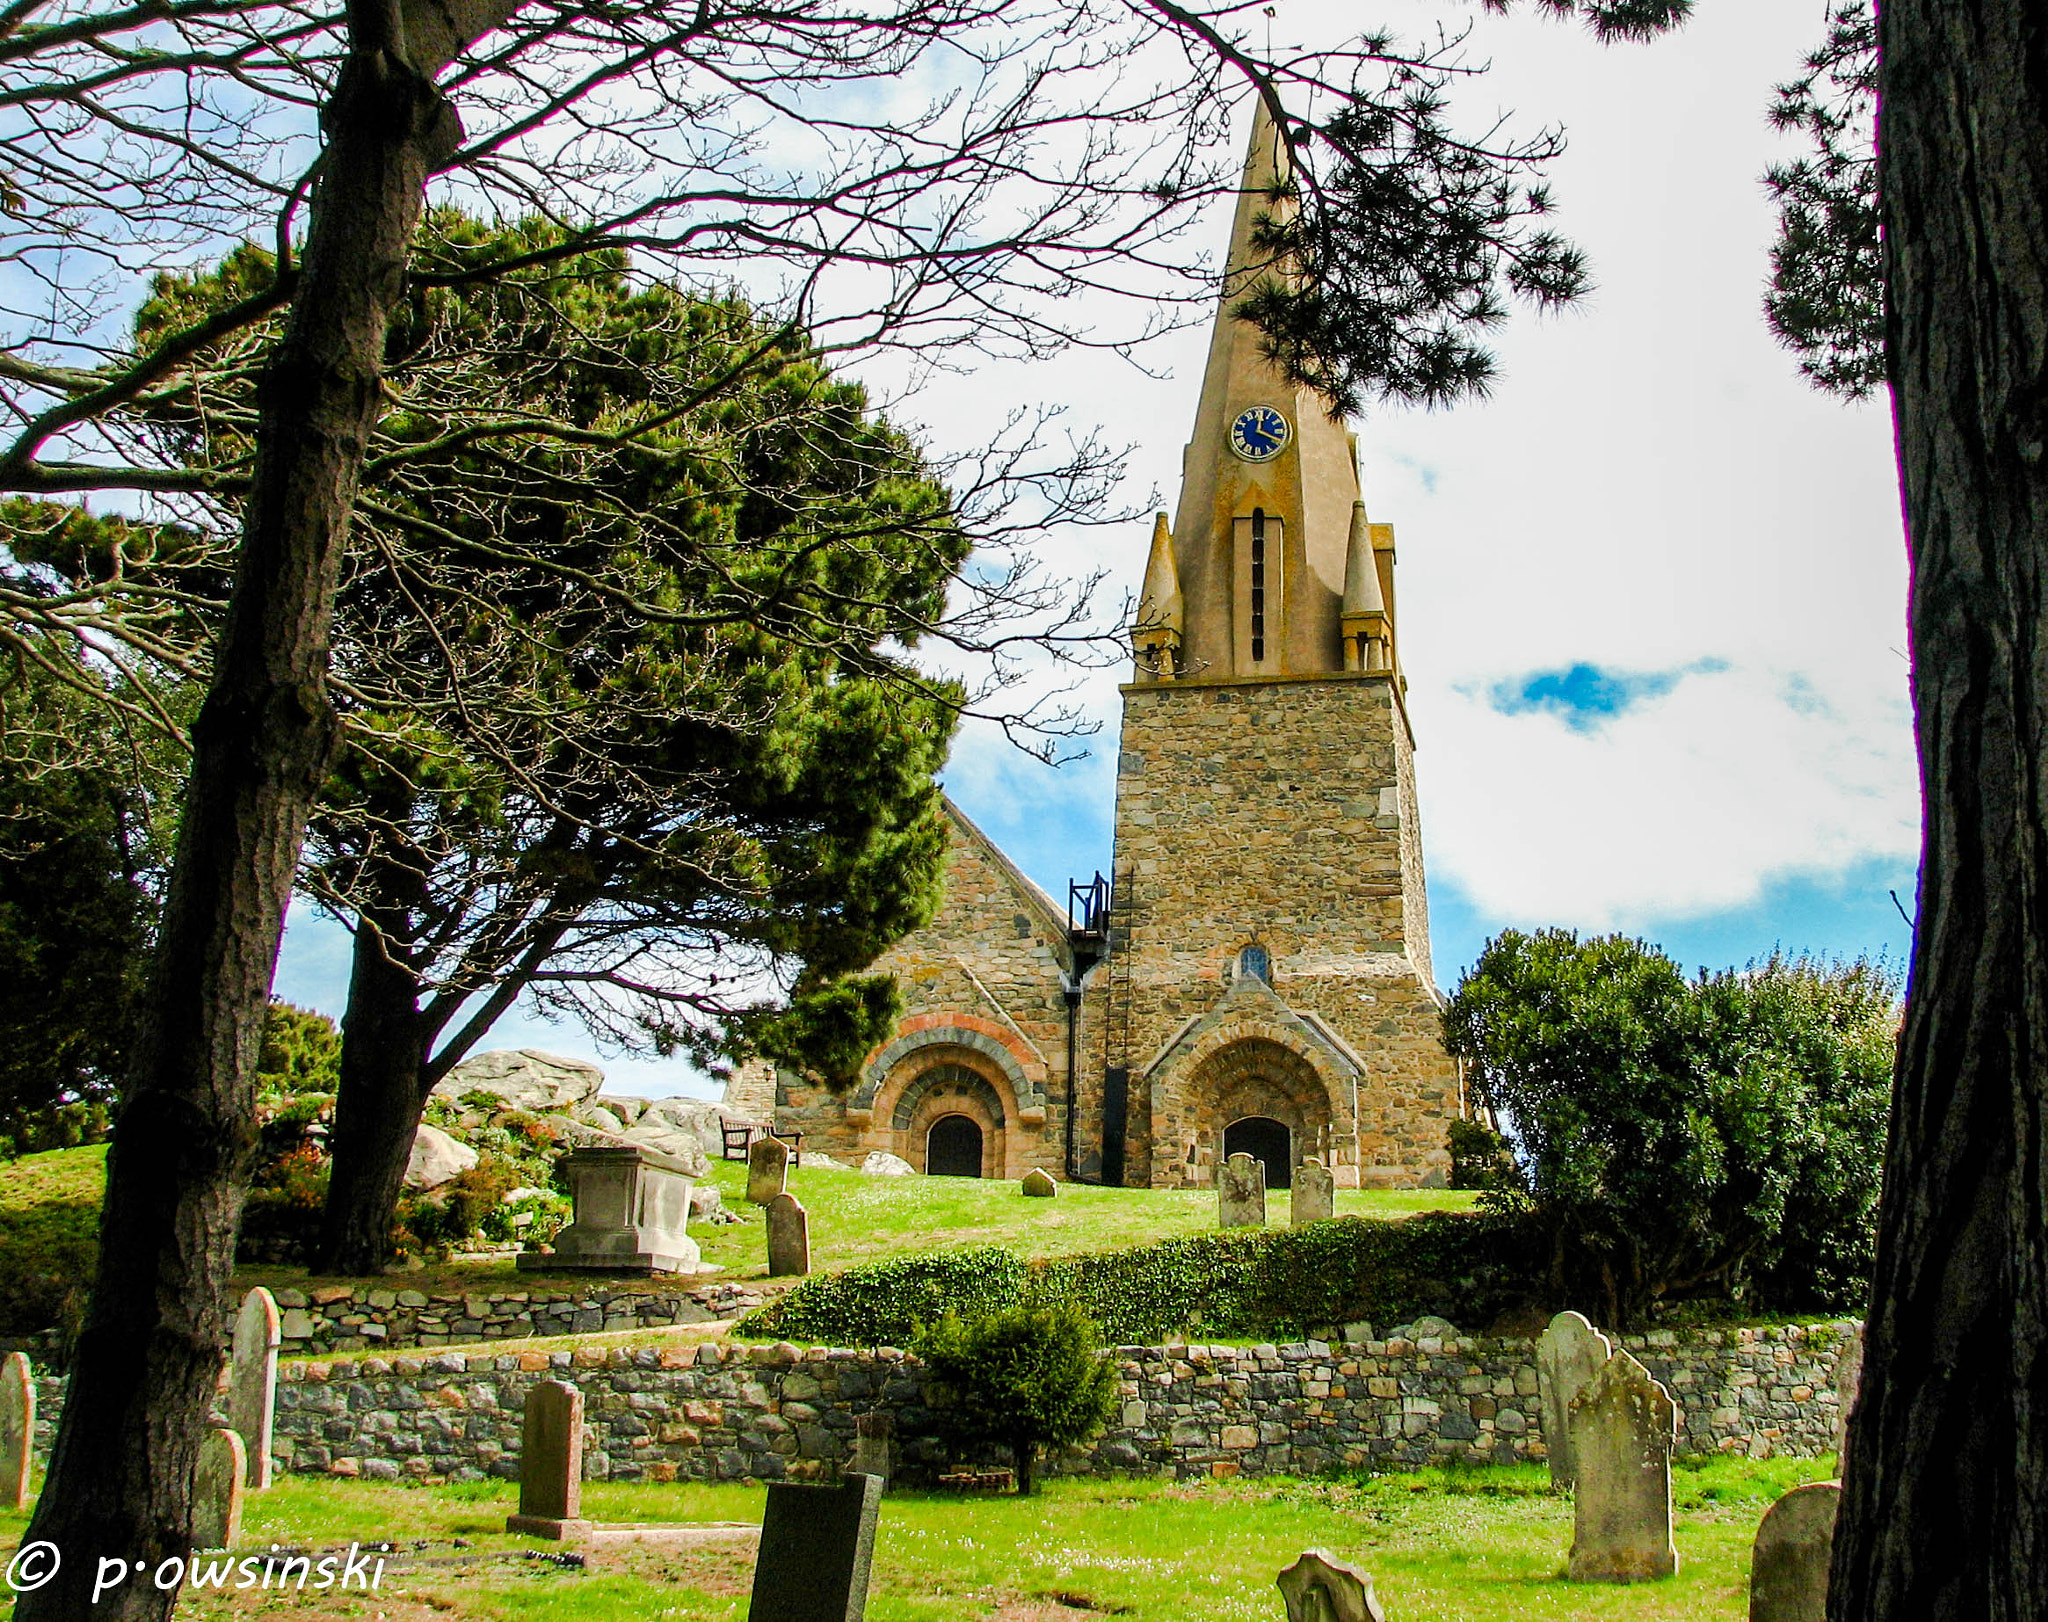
column 767, row 1169
column 551, row 1464
column 1788, row 1570
column 252, row 1382
column 632, row 1215
column 816, row 1546
column 1039, row 1185
column 1568, row 1354
column 1848, row 1387
column 1241, row 1192
column 1318, row 1588
column 1624, row 1427
column 1315, row 1192
column 17, row 1429
column 789, row 1238
column 217, row 1490
column 871, row 1433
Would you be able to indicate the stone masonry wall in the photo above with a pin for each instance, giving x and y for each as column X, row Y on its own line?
column 993, row 952
column 1282, row 812
column 720, row 1411
column 339, row 1318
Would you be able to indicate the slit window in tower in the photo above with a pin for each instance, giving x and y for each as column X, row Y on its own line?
column 1258, row 584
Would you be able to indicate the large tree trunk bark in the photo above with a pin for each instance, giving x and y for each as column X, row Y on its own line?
column 1945, row 1505
column 151, row 1350
column 378, row 1106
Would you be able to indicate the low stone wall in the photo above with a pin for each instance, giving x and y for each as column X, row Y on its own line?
column 339, row 1318
column 720, row 1411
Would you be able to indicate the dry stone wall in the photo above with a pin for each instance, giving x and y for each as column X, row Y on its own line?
column 344, row 1319
column 720, row 1411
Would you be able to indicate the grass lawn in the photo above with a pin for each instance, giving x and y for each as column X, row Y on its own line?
column 49, row 1226
column 853, row 1218
column 864, row 1219
column 1474, row 1545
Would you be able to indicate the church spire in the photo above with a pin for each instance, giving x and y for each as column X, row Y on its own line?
column 1156, row 633
column 1261, row 194
column 1261, row 539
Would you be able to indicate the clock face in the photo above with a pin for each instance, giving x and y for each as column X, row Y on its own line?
column 1259, row 433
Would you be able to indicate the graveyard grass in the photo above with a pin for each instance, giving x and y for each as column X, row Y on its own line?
column 49, row 1205
column 854, row 1218
column 1465, row 1545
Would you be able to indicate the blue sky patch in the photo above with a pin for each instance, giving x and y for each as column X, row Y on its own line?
column 1585, row 695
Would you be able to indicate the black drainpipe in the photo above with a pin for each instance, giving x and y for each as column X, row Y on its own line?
column 1071, row 987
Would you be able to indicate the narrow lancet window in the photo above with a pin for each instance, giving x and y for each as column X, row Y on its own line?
column 1258, row 584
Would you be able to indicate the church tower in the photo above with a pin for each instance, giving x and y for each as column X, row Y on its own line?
column 1268, row 986
column 1261, row 980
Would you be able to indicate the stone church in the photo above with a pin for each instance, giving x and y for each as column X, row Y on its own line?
column 1254, row 974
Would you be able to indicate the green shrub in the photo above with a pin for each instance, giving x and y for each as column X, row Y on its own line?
column 1249, row 1283
column 1022, row 1378
column 301, row 1052
column 281, row 1216
column 887, row 1303
column 1683, row 1139
column 1480, row 1156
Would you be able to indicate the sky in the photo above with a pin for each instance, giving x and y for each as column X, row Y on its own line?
column 1651, row 591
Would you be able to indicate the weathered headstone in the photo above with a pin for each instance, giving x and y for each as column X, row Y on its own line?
column 631, row 1215
column 1039, row 1185
column 1241, row 1192
column 816, row 1546
column 871, row 1433
column 1848, row 1387
column 1315, row 1192
column 17, row 1429
column 1320, row 1588
column 1788, row 1571
column 767, row 1168
column 1568, row 1354
column 789, row 1238
column 252, row 1384
column 217, row 1490
column 1624, row 1427
column 551, row 1464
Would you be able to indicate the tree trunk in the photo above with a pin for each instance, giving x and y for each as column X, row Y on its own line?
column 377, row 1108
column 119, row 1484
column 1026, row 1455
column 1945, row 1504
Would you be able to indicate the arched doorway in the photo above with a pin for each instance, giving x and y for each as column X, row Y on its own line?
column 953, row 1147
column 1265, row 1140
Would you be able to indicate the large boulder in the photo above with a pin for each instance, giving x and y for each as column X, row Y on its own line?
column 598, row 1116
column 627, row 1110
column 524, row 1079
column 880, row 1163
column 436, row 1159
column 707, row 1205
column 700, row 1117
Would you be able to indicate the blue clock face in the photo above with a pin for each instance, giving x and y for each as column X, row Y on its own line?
column 1259, row 433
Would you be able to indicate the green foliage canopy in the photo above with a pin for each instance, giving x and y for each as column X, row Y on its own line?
column 1679, row 1138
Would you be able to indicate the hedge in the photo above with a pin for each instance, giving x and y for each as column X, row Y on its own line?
column 1243, row 1284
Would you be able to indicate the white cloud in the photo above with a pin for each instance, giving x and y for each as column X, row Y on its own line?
column 1680, row 805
